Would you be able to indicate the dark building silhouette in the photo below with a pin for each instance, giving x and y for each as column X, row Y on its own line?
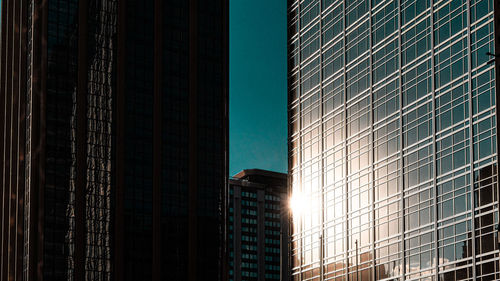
column 113, row 128
column 257, row 226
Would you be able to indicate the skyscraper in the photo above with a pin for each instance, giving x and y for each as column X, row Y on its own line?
column 393, row 139
column 113, row 123
column 257, row 226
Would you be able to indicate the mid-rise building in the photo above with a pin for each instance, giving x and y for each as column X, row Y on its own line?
column 257, row 226
column 393, row 147
column 113, row 139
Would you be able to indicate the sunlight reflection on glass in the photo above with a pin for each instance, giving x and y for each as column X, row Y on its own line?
column 305, row 209
column 298, row 204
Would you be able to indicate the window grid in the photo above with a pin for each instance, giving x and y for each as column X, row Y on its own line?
column 443, row 128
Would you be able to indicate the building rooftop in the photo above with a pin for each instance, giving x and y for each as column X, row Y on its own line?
column 245, row 174
column 258, row 177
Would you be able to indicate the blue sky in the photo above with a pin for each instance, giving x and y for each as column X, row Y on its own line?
column 258, row 111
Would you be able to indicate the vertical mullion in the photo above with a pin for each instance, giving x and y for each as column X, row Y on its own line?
column 7, row 149
column 371, row 141
column 434, row 170
column 322, row 150
column 345, row 163
column 300, row 165
column 14, row 141
column 21, row 139
column 471, row 141
column 496, row 15
column 3, row 72
column 11, row 159
column 400, row 165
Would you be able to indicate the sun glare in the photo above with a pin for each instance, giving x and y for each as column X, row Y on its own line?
column 298, row 204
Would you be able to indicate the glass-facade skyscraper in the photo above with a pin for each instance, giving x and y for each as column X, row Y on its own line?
column 393, row 160
column 113, row 139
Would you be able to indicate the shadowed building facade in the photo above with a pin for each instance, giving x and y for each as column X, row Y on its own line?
column 114, row 141
column 257, row 226
column 393, row 164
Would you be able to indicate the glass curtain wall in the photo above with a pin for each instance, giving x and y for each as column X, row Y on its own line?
column 392, row 140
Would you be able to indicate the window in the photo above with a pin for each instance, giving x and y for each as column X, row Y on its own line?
column 384, row 22
column 451, row 63
column 410, row 9
column 358, row 78
column 416, row 83
column 483, row 92
column 449, row 19
column 333, row 60
column 386, row 100
column 385, row 61
column 452, row 151
column 482, row 42
column 355, row 9
column 357, row 42
column 417, row 123
column 333, row 24
column 418, row 166
column 415, row 41
column 452, row 107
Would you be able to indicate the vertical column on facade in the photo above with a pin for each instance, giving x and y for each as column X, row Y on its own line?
column 434, row 184
column 291, row 167
column 14, row 143
column 289, row 185
column 157, row 138
column 372, row 138
column 12, row 178
column 120, row 145
column 496, row 9
column 193, row 143
column 345, row 162
column 3, row 72
column 19, row 110
column 3, row 114
column 471, row 134
column 401, row 147
column 6, row 233
column 81, row 141
column 17, row 139
column 322, row 150
column 301, row 163
column 21, row 138
column 27, row 80
column 299, row 220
